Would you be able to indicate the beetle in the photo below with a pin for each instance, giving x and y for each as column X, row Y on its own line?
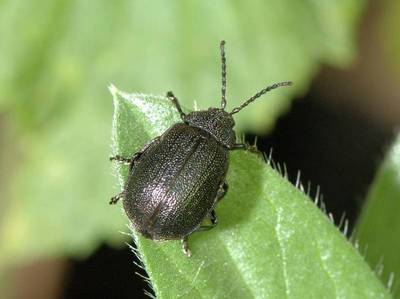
column 176, row 180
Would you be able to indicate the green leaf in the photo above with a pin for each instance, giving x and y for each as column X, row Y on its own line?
column 378, row 228
column 271, row 240
column 60, row 199
column 57, row 56
column 62, row 45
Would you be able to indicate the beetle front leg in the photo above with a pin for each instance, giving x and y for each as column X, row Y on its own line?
column 245, row 146
column 175, row 101
column 236, row 146
column 185, row 247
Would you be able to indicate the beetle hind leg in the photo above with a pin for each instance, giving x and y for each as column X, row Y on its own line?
column 185, row 247
column 223, row 188
column 213, row 220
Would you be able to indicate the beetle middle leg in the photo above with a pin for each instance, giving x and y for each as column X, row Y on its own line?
column 130, row 162
column 121, row 159
column 116, row 198
column 136, row 156
column 175, row 101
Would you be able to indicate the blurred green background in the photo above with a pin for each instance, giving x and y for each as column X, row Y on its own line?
column 58, row 57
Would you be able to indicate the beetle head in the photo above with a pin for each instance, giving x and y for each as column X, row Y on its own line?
column 215, row 121
column 250, row 100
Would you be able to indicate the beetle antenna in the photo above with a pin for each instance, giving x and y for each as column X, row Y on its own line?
column 259, row 94
column 223, row 68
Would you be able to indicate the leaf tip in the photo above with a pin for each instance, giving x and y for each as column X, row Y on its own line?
column 113, row 90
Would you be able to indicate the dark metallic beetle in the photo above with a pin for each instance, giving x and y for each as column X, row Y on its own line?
column 176, row 180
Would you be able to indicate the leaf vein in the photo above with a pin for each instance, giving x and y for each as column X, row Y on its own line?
column 281, row 250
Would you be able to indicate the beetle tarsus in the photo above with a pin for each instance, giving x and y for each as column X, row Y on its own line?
column 185, row 247
column 239, row 146
column 245, row 146
column 223, row 188
column 213, row 218
column 115, row 199
column 121, row 159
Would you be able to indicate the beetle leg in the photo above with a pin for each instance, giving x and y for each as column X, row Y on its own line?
column 120, row 159
column 185, row 247
column 223, row 188
column 115, row 198
column 240, row 146
column 244, row 146
column 214, row 222
column 175, row 101
column 126, row 161
column 213, row 218
column 137, row 155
